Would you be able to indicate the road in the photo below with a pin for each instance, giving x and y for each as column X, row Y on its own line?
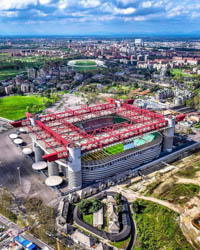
column 27, row 236
column 132, row 196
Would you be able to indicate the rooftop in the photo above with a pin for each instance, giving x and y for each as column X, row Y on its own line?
column 104, row 124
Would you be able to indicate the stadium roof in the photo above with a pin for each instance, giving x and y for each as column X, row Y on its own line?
column 58, row 130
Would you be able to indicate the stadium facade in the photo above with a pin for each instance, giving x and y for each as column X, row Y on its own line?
column 92, row 143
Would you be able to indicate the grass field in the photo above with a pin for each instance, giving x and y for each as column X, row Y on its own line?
column 116, row 149
column 85, row 63
column 88, row 218
column 14, row 107
column 157, row 228
column 5, row 74
column 121, row 244
column 176, row 72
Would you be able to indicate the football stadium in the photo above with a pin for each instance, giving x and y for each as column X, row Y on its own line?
column 92, row 143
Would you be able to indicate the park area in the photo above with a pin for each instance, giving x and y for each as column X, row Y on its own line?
column 181, row 73
column 14, row 107
column 157, row 227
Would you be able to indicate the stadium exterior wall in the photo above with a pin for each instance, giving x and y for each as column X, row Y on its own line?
column 130, row 159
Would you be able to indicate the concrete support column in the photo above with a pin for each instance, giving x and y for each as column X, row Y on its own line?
column 53, row 169
column 38, row 153
column 65, row 171
column 74, row 169
column 169, row 135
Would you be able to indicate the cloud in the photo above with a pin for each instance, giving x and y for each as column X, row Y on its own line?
column 147, row 4
column 45, row 1
column 99, row 13
column 90, row 3
column 16, row 4
column 139, row 18
column 62, row 4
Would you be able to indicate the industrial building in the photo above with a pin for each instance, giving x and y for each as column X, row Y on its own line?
column 92, row 143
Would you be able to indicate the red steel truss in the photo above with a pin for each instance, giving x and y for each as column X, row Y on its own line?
column 60, row 130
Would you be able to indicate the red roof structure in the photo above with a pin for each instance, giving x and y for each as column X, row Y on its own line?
column 58, row 130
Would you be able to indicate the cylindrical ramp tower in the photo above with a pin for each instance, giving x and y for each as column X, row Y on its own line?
column 38, row 153
column 169, row 135
column 74, row 169
column 53, row 169
column 65, row 171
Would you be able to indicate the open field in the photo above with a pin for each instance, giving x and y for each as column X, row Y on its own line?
column 179, row 193
column 14, row 107
column 180, row 72
column 85, row 63
column 5, row 74
column 157, row 227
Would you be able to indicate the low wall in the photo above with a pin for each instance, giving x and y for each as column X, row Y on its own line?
column 105, row 235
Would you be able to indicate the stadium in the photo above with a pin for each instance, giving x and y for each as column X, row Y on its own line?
column 92, row 143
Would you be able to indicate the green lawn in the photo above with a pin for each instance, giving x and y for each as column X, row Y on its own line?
column 14, row 107
column 5, row 74
column 157, row 228
column 121, row 244
column 114, row 149
column 85, row 63
column 176, row 72
column 88, row 218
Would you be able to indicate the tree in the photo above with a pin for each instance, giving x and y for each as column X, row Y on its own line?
column 118, row 198
column 196, row 100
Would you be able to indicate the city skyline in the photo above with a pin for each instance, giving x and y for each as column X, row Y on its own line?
column 99, row 17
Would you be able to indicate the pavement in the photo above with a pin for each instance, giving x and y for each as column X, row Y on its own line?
column 32, row 183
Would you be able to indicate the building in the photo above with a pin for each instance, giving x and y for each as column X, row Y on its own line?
column 82, row 239
column 98, row 218
column 92, row 143
column 24, row 243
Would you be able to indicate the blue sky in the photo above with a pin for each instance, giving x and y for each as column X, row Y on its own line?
column 79, row 17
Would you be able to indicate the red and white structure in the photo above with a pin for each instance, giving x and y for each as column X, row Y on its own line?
column 62, row 136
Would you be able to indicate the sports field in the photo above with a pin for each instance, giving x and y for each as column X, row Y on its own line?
column 116, row 149
column 85, row 63
column 14, row 107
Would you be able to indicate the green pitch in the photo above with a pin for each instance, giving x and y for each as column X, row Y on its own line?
column 85, row 63
column 14, row 107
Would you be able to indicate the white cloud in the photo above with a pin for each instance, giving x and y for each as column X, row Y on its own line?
column 44, row 1
column 126, row 1
column 147, row 4
column 16, row 4
column 9, row 13
column 62, row 4
column 139, row 18
column 126, row 11
column 90, row 3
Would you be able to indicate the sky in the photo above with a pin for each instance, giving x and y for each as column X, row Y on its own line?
column 99, row 17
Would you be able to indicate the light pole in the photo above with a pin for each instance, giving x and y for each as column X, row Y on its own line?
column 20, row 182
